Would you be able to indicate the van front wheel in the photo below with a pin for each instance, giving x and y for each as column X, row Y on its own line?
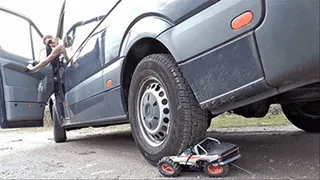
column 164, row 114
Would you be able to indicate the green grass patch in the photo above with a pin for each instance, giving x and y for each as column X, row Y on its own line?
column 224, row 121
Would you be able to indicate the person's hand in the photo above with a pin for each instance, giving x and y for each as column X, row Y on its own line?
column 30, row 67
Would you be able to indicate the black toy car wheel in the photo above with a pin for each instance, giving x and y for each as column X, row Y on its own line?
column 168, row 168
column 59, row 133
column 216, row 171
column 164, row 114
column 305, row 116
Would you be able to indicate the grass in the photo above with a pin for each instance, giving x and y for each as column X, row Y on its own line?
column 225, row 121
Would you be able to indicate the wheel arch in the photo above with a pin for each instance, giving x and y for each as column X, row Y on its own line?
column 140, row 49
column 140, row 41
column 144, row 26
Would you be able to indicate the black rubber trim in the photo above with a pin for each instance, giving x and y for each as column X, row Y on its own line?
column 3, row 115
column 109, row 121
column 195, row 11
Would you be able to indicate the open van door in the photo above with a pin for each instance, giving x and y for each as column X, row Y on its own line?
column 23, row 95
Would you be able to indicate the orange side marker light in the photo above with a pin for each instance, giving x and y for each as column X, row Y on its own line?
column 109, row 83
column 242, row 20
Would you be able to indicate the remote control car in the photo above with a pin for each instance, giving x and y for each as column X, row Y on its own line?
column 210, row 154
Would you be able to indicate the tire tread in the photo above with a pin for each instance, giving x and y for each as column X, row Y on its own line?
column 59, row 134
column 196, row 118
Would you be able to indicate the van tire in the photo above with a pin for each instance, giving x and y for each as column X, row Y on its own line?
column 302, row 120
column 59, row 133
column 188, row 122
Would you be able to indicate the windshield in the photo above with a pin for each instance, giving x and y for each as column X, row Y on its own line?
column 207, row 145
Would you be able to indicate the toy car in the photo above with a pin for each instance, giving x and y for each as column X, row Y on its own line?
column 209, row 155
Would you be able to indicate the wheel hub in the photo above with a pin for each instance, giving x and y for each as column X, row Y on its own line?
column 154, row 113
column 150, row 111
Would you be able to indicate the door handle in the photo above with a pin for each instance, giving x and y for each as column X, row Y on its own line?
column 33, row 63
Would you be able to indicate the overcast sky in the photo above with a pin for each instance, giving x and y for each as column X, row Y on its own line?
column 44, row 13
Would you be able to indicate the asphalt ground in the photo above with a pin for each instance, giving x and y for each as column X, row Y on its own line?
column 282, row 152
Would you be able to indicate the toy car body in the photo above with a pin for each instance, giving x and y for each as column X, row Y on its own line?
column 210, row 154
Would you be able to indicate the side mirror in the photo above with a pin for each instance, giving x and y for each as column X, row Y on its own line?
column 67, row 41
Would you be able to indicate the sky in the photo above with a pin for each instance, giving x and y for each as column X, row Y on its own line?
column 44, row 13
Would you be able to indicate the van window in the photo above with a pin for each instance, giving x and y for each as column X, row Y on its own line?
column 80, row 19
column 15, row 35
column 80, row 33
column 38, row 46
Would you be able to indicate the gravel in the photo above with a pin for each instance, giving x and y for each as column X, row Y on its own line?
column 267, row 153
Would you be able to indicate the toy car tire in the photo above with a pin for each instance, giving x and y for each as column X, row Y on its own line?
column 216, row 171
column 168, row 168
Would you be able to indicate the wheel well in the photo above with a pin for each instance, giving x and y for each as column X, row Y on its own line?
column 137, row 52
column 201, row 162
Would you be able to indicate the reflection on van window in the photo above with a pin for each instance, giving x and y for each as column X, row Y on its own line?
column 81, row 18
column 15, row 35
column 79, row 33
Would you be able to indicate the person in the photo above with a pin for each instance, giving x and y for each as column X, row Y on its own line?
column 57, row 49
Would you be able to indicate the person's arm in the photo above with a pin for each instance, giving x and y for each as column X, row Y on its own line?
column 53, row 54
column 74, row 64
column 65, row 54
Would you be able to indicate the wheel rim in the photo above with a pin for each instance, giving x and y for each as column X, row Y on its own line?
column 153, row 111
column 214, row 169
column 167, row 168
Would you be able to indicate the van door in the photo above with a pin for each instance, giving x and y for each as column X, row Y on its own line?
column 23, row 94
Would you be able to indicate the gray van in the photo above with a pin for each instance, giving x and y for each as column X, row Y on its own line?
column 167, row 67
